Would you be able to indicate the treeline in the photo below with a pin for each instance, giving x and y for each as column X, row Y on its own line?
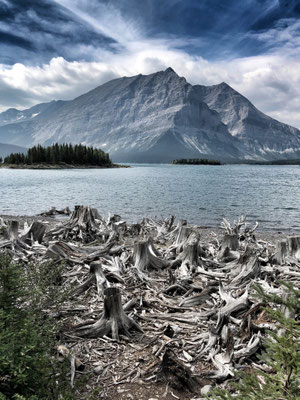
column 274, row 162
column 196, row 161
column 61, row 153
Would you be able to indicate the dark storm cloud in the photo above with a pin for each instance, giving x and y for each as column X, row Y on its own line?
column 58, row 49
column 45, row 30
column 14, row 40
column 212, row 29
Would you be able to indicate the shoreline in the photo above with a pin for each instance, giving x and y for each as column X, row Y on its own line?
column 271, row 236
column 60, row 166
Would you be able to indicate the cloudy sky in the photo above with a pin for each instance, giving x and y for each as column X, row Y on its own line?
column 59, row 49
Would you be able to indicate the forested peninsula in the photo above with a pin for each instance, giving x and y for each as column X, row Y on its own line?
column 59, row 156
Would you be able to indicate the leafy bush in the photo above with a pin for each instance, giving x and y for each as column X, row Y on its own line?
column 28, row 368
column 281, row 355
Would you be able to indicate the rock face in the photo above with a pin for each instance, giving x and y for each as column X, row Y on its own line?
column 262, row 136
column 156, row 118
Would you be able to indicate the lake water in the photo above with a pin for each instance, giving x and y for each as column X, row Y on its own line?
column 201, row 194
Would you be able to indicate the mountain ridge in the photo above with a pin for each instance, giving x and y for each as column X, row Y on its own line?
column 157, row 118
column 7, row 149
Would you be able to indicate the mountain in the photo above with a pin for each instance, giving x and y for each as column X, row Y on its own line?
column 12, row 115
column 6, row 149
column 156, row 118
column 262, row 136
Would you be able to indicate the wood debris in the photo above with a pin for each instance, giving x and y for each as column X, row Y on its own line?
column 154, row 301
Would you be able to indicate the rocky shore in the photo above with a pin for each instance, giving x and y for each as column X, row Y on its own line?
column 152, row 306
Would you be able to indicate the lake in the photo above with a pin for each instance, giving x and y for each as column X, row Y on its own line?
column 201, row 194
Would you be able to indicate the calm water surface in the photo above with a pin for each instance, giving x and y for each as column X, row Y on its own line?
column 201, row 194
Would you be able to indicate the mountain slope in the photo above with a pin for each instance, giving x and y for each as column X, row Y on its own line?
column 12, row 115
column 156, row 118
column 6, row 149
column 262, row 136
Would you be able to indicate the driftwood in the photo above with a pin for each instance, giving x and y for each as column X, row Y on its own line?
column 193, row 297
column 53, row 211
column 200, row 298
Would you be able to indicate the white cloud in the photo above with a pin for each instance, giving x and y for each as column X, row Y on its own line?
column 270, row 81
column 104, row 18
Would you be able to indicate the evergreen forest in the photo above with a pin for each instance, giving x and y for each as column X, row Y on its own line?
column 61, row 154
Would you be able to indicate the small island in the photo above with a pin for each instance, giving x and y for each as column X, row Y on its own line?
column 195, row 161
column 59, row 156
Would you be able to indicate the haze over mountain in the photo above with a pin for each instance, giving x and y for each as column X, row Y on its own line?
column 6, row 149
column 156, row 118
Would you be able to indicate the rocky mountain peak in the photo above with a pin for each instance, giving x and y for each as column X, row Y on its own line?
column 170, row 70
column 156, row 118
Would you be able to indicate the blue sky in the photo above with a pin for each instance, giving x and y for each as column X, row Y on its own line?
column 58, row 49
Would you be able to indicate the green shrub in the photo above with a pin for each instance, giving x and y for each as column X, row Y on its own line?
column 281, row 354
column 28, row 366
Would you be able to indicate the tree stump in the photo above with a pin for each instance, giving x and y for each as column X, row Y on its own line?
column 189, row 257
column 182, row 237
column 176, row 373
column 102, row 282
column 147, row 258
column 229, row 242
column 294, row 246
column 113, row 321
column 35, row 233
column 280, row 253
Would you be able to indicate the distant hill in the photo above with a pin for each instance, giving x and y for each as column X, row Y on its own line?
column 7, row 149
column 12, row 115
column 157, row 118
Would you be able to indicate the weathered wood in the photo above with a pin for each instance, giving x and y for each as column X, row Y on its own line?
column 102, row 282
column 198, row 307
column 176, row 374
column 188, row 260
column 113, row 322
column 280, row 253
column 199, row 298
column 13, row 230
column 147, row 258
column 294, row 246
column 35, row 233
